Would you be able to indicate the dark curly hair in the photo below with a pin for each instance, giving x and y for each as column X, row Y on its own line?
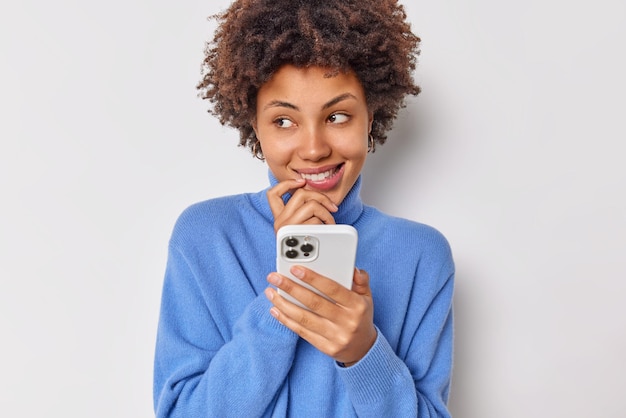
column 256, row 37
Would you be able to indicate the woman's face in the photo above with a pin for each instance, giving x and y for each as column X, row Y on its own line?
column 315, row 127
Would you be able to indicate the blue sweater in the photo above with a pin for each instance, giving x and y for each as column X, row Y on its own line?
column 219, row 352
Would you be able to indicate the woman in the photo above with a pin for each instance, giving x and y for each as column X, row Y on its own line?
column 312, row 87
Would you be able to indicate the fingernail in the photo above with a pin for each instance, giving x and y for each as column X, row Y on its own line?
column 274, row 279
column 269, row 293
column 297, row 271
column 274, row 312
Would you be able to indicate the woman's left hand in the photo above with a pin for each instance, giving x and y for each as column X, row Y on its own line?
column 343, row 329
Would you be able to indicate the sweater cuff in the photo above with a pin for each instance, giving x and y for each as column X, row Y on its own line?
column 370, row 378
column 258, row 316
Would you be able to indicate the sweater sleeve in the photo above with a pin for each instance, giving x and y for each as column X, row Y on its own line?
column 199, row 372
column 415, row 382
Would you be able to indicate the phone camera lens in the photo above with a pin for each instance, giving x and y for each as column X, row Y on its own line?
column 291, row 253
column 307, row 248
column 291, row 242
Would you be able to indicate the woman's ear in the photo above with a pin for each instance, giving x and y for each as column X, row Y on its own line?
column 254, row 128
column 370, row 122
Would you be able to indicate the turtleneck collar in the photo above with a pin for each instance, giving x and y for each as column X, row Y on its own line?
column 350, row 208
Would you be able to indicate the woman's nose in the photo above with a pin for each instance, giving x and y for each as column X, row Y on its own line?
column 314, row 145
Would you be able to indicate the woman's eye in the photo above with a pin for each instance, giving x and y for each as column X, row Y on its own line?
column 283, row 123
column 338, row 118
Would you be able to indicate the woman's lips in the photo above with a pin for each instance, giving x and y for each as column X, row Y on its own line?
column 324, row 180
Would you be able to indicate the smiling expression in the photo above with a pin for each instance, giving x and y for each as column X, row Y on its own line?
column 315, row 127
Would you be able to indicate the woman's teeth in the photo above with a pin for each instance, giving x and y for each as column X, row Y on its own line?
column 318, row 176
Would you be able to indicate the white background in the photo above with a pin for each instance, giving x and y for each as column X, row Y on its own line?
column 514, row 151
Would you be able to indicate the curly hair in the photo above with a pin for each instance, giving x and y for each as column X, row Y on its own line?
column 254, row 38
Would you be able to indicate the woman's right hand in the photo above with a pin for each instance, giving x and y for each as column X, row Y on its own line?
column 304, row 207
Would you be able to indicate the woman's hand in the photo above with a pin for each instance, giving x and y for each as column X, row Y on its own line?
column 304, row 207
column 343, row 329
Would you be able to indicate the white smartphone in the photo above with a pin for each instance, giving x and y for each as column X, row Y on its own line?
column 329, row 250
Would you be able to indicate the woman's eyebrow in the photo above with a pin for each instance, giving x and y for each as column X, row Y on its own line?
column 338, row 99
column 278, row 103
column 330, row 103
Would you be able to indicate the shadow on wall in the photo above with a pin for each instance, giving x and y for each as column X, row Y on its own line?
column 400, row 167
column 386, row 167
column 460, row 402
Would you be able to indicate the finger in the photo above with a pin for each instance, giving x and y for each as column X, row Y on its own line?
column 313, row 301
column 275, row 194
column 312, row 210
column 326, row 341
column 295, row 215
column 313, row 221
column 361, row 282
column 304, row 323
column 343, row 333
column 301, row 196
column 345, row 342
column 328, row 287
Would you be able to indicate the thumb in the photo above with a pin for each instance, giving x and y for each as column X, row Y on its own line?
column 361, row 282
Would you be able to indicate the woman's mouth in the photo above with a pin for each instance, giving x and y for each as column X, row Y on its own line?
column 324, row 180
